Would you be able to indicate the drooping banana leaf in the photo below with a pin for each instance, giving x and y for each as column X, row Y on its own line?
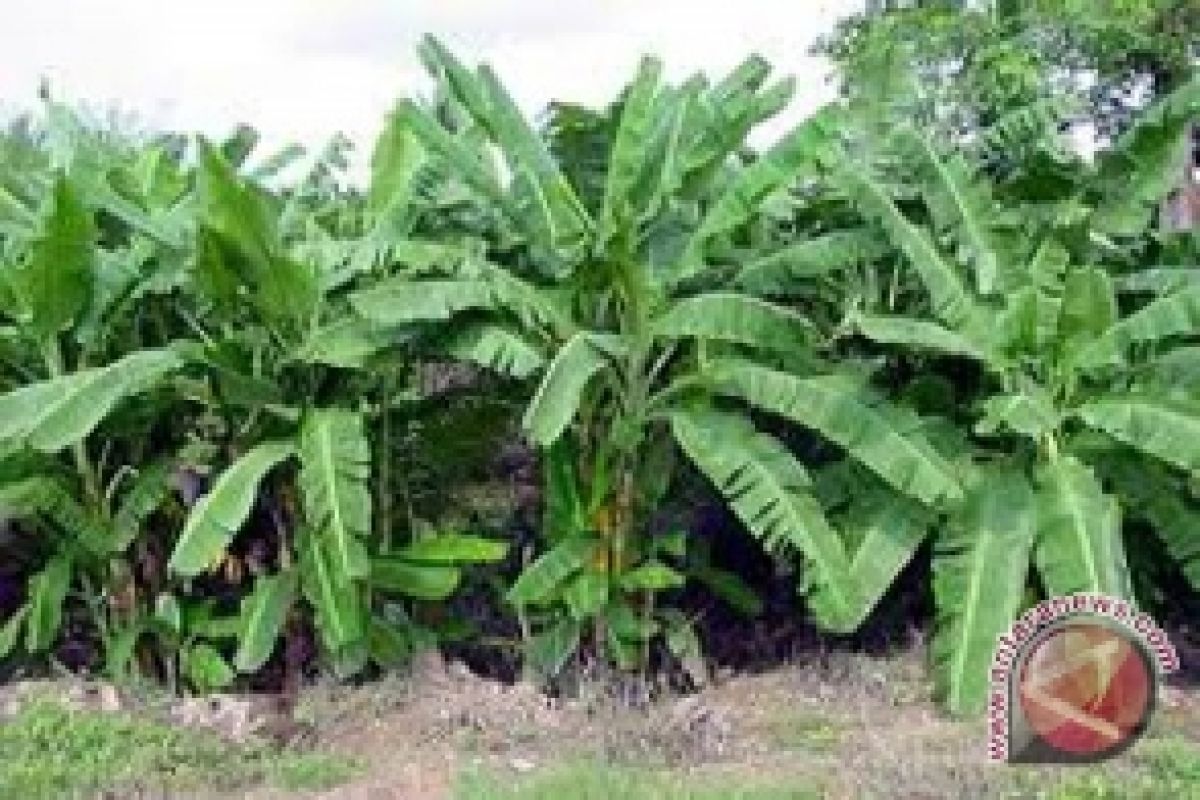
column 1157, row 281
column 264, row 612
column 429, row 567
column 1157, row 495
column 557, row 399
column 335, row 466
column 1174, row 314
column 723, row 116
column 234, row 210
column 10, row 631
column 981, row 562
column 769, row 491
column 218, row 515
column 424, row 581
column 1144, row 164
column 558, row 212
column 349, row 342
column 400, row 300
column 55, row 502
column 47, row 592
column 1175, row 521
column 788, row 270
column 1157, row 426
column 335, row 598
column 730, row 317
column 548, row 651
column 454, row 548
column 545, row 575
column 888, row 532
column 51, row 415
column 497, row 348
column 920, row 334
column 1079, row 547
column 663, row 171
column 839, row 409
column 550, row 210
column 151, row 488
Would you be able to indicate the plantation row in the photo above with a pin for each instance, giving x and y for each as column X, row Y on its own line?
column 867, row 338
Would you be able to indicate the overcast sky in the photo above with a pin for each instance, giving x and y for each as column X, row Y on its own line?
column 305, row 69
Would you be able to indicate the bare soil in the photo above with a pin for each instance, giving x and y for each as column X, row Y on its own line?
column 851, row 726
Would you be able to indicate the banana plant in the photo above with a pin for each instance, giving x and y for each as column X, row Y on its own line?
column 293, row 405
column 626, row 296
column 330, row 559
column 95, row 263
column 1070, row 375
column 85, row 389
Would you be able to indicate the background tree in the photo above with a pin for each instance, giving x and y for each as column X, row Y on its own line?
column 963, row 67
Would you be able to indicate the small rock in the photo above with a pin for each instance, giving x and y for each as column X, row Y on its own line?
column 94, row 697
column 522, row 765
column 236, row 718
column 459, row 671
column 17, row 696
column 697, row 670
column 1172, row 697
column 110, row 698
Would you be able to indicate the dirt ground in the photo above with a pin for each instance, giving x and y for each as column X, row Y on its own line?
column 844, row 727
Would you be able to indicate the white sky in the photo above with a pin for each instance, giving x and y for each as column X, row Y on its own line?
column 301, row 70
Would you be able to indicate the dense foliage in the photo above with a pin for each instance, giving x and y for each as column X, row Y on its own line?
column 237, row 412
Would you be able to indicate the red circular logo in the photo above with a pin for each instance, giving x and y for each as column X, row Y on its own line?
column 1086, row 688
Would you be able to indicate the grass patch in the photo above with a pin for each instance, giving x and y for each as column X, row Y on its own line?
column 299, row 772
column 1160, row 768
column 599, row 781
column 1172, row 759
column 809, row 733
column 49, row 751
column 1101, row 786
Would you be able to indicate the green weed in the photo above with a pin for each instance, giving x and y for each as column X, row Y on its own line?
column 50, row 751
column 599, row 781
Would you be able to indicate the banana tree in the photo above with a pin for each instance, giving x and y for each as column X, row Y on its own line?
column 95, row 262
column 85, row 372
column 625, row 296
column 285, row 382
column 1066, row 366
